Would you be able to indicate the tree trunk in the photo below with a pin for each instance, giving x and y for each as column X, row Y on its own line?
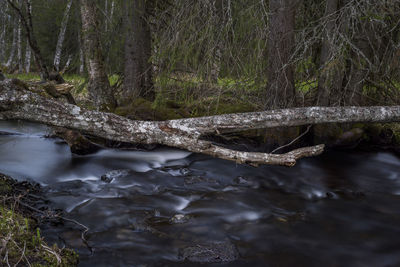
column 11, row 57
column 329, row 78
column 280, row 89
column 3, row 16
column 220, row 18
column 67, row 64
column 81, row 55
column 61, row 36
column 19, row 49
column 28, row 54
column 106, row 12
column 98, row 86
column 138, row 80
column 109, row 14
column 17, row 103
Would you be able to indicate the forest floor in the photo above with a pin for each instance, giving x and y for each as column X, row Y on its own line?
column 22, row 210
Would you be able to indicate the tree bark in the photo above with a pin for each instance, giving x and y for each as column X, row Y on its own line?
column 19, row 49
column 219, row 18
column 17, row 103
column 28, row 54
column 61, row 36
column 98, row 86
column 3, row 16
column 81, row 55
column 13, row 46
column 280, row 89
column 138, row 76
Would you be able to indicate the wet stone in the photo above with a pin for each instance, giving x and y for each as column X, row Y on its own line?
column 191, row 180
column 210, row 253
column 176, row 170
column 179, row 218
column 112, row 175
column 245, row 181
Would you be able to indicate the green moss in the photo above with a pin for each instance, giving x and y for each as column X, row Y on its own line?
column 20, row 238
column 142, row 109
column 5, row 187
column 22, row 243
column 306, row 86
column 25, row 76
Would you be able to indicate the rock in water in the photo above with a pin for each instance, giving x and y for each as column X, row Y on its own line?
column 115, row 174
column 209, row 253
column 179, row 218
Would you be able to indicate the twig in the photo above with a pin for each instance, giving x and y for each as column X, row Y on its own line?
column 86, row 229
column 293, row 141
column 22, row 256
column 6, row 259
column 83, row 232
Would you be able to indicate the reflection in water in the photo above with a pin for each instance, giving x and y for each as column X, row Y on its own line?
column 339, row 209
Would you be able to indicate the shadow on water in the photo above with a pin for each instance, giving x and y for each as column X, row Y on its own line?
column 340, row 209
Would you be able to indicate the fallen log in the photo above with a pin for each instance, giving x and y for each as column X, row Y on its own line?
column 16, row 103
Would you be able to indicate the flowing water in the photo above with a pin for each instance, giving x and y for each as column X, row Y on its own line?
column 339, row 209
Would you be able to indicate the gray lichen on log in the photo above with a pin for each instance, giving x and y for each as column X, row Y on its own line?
column 185, row 133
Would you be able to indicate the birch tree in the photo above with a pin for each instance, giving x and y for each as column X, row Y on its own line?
column 28, row 53
column 3, row 19
column 19, row 49
column 11, row 57
column 61, row 36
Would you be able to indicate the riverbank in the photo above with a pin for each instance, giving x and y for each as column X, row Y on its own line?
column 22, row 211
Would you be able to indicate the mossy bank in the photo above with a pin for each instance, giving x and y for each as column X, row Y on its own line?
column 20, row 236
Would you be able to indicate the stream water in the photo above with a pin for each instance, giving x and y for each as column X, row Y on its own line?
column 339, row 209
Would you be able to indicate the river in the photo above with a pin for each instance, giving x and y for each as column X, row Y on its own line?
column 338, row 209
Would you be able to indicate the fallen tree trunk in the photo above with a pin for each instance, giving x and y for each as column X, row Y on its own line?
column 17, row 103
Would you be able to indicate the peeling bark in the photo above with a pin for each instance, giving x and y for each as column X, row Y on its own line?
column 17, row 103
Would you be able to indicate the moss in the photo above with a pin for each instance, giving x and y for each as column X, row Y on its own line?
column 142, row 109
column 20, row 238
column 5, row 187
column 23, row 244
